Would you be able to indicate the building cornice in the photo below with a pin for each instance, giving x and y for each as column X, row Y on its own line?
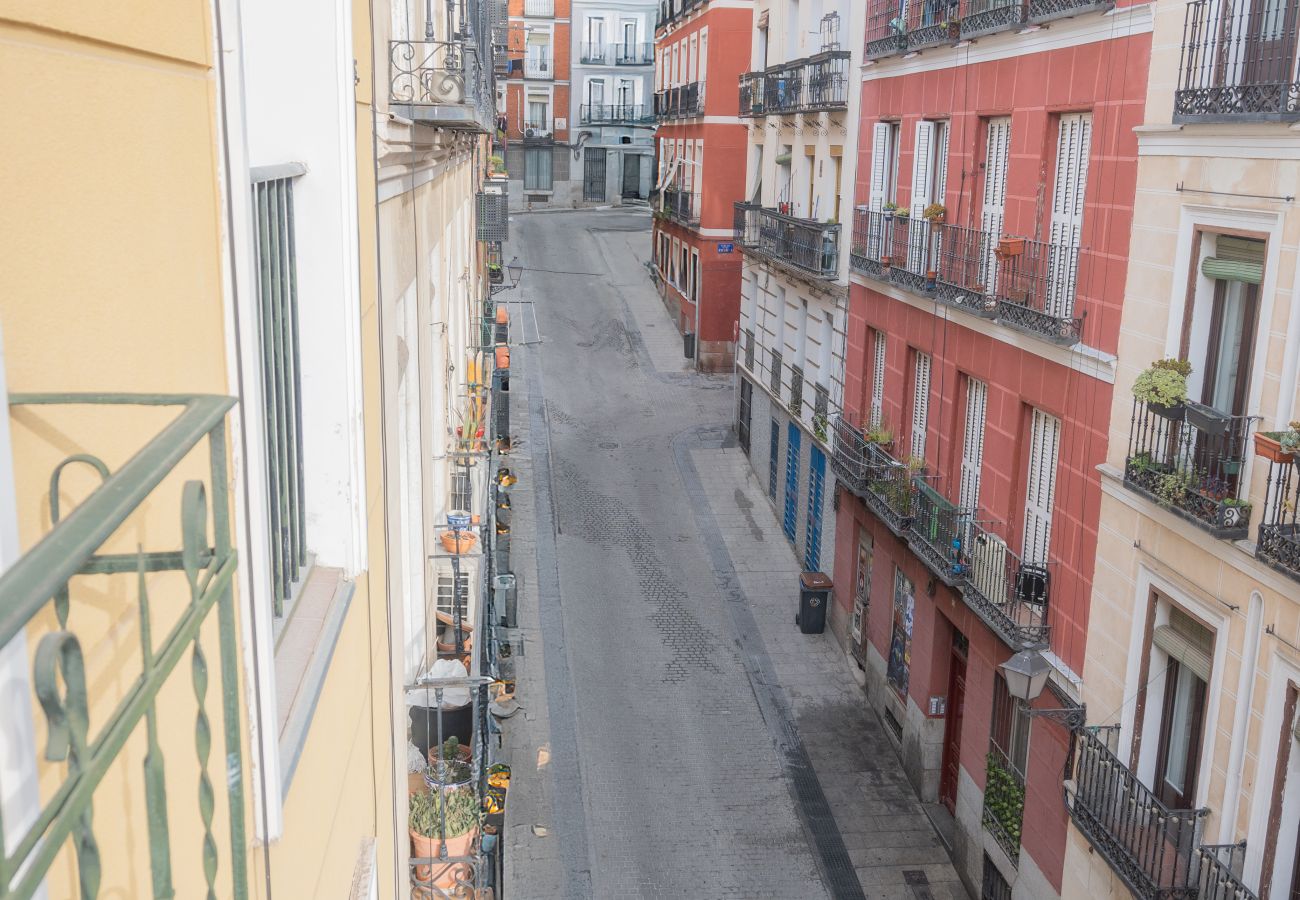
column 1231, row 141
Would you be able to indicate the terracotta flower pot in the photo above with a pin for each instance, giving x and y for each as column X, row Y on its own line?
column 1270, row 448
column 464, row 545
column 503, row 357
column 443, row 875
column 503, row 316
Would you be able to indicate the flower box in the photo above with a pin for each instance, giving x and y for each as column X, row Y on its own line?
column 1173, row 413
column 1206, row 419
column 1008, row 247
column 1268, row 446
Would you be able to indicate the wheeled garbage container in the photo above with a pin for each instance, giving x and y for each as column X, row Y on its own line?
column 814, row 597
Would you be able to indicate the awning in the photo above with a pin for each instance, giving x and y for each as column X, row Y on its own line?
column 1235, row 259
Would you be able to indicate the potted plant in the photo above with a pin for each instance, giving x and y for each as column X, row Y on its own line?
column 890, row 208
column 1278, row 446
column 1008, row 247
column 1206, row 419
column 1162, row 386
column 819, row 426
column 935, row 214
column 450, row 766
column 881, row 435
column 495, row 275
column 454, row 541
column 443, row 819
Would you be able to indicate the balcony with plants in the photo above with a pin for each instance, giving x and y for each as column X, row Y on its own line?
column 1156, row 851
column 1023, row 284
column 1186, row 456
column 1238, row 63
column 804, row 247
column 681, row 102
column 1278, row 541
column 939, row 531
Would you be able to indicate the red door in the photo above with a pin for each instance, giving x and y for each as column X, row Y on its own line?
column 952, row 728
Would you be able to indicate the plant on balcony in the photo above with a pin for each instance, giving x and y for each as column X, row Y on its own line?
column 819, row 424
column 495, row 275
column 879, row 434
column 935, row 213
column 1172, row 487
column 1004, row 798
column 890, row 208
column 1162, row 386
column 449, row 765
column 458, row 811
column 1278, row 446
column 497, row 165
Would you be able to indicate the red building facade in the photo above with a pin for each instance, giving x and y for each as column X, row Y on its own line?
column 701, row 144
column 997, row 169
column 536, row 103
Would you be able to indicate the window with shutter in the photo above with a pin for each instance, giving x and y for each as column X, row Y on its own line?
column 880, row 134
column 997, row 145
column 878, row 379
column 1074, row 140
column 940, row 163
column 920, row 404
column 1040, row 487
column 972, row 451
column 922, row 184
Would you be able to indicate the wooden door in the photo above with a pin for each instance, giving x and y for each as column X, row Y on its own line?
column 948, row 776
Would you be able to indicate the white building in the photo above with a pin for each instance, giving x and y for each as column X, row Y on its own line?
column 801, row 101
column 612, row 97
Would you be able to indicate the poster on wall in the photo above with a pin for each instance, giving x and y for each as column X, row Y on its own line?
column 861, row 592
column 900, row 642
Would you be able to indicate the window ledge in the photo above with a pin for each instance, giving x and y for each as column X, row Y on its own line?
column 302, row 659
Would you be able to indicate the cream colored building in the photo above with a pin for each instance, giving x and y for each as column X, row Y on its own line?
column 1193, row 655
column 246, row 298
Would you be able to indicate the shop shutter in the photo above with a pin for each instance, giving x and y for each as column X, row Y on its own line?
column 1040, row 487
column 920, row 404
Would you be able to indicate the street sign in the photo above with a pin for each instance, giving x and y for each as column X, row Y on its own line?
column 726, row 248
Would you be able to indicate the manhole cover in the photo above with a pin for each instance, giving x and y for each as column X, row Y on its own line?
column 608, row 445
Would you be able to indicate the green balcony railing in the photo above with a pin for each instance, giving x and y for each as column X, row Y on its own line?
column 41, row 598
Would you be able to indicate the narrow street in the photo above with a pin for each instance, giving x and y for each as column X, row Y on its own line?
column 678, row 736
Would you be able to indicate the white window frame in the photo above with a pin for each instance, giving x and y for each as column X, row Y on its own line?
column 922, row 368
column 1040, row 486
column 972, row 453
column 1069, row 190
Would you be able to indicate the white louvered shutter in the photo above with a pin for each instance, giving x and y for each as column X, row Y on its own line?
column 1040, row 489
column 879, row 164
column 940, row 192
column 920, row 404
column 972, row 451
column 997, row 147
column 1073, row 143
column 922, row 184
column 878, row 380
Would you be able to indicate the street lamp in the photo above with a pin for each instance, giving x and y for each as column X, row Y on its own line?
column 1026, row 674
column 515, row 269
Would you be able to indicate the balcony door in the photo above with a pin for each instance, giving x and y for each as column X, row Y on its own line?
column 1220, row 331
column 997, row 149
column 1270, row 43
column 1073, row 144
column 1187, row 646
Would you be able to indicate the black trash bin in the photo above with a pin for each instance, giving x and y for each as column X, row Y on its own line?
column 688, row 344
column 814, row 597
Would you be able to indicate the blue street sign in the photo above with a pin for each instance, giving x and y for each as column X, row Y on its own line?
column 726, row 248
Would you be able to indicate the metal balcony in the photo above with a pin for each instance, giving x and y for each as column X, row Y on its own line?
column 886, row 32
column 539, row 7
column 641, row 53
column 1279, row 529
column 538, row 65
column 1188, row 459
column 493, row 218
column 1238, row 63
column 980, row 17
column 1035, row 287
column 595, row 54
column 964, row 266
column 808, row 246
column 752, row 93
column 682, row 206
column 849, row 455
column 801, row 86
column 1153, row 849
column 1011, row 596
column 99, row 713
column 671, row 11
column 615, row 114
column 680, row 102
column 889, row 489
column 938, row 532
column 441, row 83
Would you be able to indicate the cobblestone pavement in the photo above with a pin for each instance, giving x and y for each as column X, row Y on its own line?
column 679, row 737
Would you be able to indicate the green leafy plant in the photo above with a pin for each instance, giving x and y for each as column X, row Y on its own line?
column 891, row 207
column 428, row 807
column 1290, row 439
column 1004, row 797
column 450, row 765
column 497, row 163
column 935, row 212
column 1163, row 382
column 1173, row 487
column 819, row 426
column 879, row 434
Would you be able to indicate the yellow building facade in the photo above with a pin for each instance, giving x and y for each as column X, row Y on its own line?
column 1188, row 778
column 208, row 589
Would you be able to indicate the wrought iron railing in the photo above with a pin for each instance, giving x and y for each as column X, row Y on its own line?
column 671, row 11
column 1151, row 847
column 931, row 22
column 849, row 455
column 635, row 54
column 1004, row 801
column 890, row 488
column 1047, row 10
column 1189, row 460
column 682, row 206
column 810, row 246
column 1218, row 872
column 886, row 32
column 537, row 64
column 614, row 113
column 907, row 244
column 783, row 88
column 1238, row 63
column 432, row 75
column 939, row 532
column 867, row 249
column 753, row 90
column 1036, row 288
column 539, row 7
column 964, row 267
column 987, row 16
column 91, row 712
column 1279, row 528
column 680, row 102
column 595, row 54
column 1011, row 596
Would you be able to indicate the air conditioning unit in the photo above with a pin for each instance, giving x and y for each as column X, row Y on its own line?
column 989, row 567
